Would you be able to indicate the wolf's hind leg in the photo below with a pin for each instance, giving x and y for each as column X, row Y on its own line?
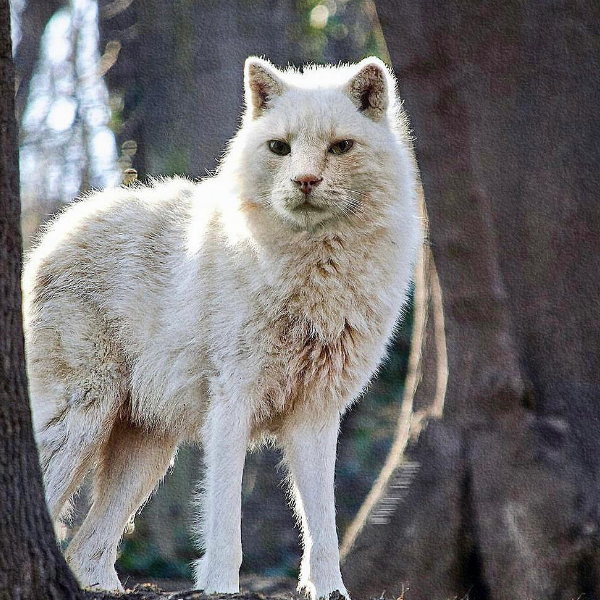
column 77, row 384
column 131, row 463
column 68, row 444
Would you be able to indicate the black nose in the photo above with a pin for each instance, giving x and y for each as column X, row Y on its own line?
column 307, row 182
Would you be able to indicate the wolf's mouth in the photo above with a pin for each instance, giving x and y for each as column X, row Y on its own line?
column 307, row 206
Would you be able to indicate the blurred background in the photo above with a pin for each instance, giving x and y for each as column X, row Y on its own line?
column 106, row 85
column 471, row 468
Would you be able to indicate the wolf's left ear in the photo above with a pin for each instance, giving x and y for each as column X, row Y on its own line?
column 262, row 83
column 370, row 89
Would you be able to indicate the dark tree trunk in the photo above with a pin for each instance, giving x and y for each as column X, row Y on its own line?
column 503, row 100
column 31, row 565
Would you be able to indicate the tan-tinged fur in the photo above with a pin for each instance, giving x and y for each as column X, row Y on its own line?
column 225, row 311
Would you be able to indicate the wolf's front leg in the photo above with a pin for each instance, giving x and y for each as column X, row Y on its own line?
column 310, row 448
column 225, row 439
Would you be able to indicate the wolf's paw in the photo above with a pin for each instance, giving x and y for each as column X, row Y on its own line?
column 327, row 592
column 93, row 571
column 97, row 579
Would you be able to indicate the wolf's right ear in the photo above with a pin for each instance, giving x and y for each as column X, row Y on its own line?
column 370, row 88
column 262, row 83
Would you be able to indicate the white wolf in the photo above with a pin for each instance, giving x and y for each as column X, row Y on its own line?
column 255, row 304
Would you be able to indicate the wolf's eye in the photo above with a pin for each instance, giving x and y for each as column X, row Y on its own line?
column 341, row 147
column 279, row 147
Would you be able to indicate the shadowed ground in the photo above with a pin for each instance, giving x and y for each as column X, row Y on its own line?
column 276, row 588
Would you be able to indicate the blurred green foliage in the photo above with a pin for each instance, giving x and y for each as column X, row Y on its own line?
column 338, row 30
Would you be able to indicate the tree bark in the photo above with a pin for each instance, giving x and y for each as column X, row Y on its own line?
column 31, row 565
column 502, row 97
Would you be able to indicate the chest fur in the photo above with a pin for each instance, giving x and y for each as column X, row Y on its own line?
column 323, row 337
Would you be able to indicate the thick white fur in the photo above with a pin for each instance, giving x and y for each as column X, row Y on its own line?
column 224, row 311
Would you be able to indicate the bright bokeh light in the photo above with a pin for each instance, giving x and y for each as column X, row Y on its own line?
column 319, row 16
column 62, row 114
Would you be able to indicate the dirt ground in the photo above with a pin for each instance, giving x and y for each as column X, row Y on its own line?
column 252, row 588
column 277, row 587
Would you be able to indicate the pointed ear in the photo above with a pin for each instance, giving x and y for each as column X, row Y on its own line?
column 262, row 83
column 370, row 88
